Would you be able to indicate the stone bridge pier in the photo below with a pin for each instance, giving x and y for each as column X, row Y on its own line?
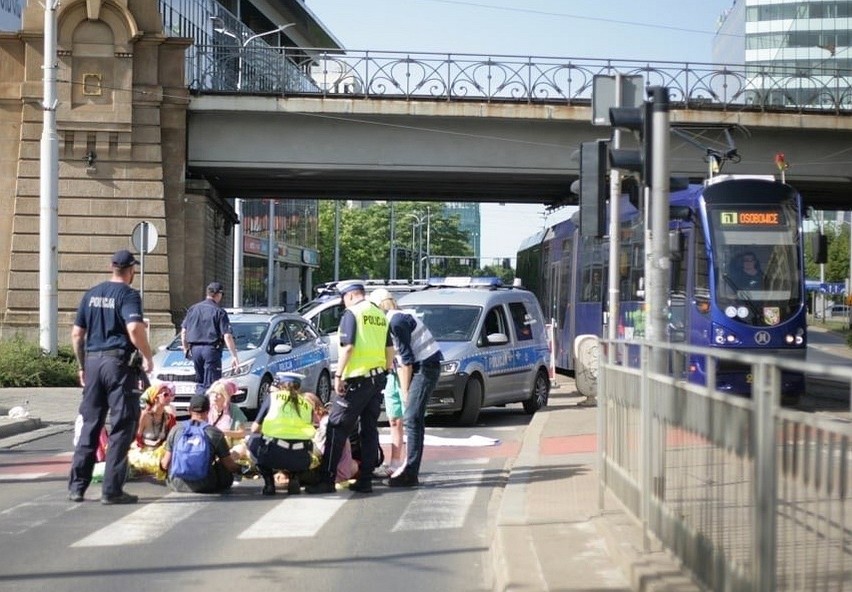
column 121, row 125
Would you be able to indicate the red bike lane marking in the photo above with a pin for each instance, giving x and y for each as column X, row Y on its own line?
column 54, row 463
column 576, row 444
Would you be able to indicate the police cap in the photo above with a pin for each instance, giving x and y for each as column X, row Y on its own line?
column 353, row 286
column 123, row 258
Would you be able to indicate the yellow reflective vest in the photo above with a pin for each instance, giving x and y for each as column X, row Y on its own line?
column 285, row 422
column 371, row 336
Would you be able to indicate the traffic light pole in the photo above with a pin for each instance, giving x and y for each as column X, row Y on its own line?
column 660, row 263
column 614, row 238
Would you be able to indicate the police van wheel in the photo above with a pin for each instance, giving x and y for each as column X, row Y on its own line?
column 540, row 393
column 471, row 404
column 324, row 388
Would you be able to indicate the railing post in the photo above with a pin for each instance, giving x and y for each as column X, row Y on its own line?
column 603, row 436
column 645, row 445
column 766, row 395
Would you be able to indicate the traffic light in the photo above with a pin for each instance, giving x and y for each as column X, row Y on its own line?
column 594, row 188
column 639, row 121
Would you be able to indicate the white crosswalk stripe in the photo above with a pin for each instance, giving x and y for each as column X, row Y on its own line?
column 443, row 502
column 295, row 517
column 28, row 515
column 145, row 524
column 21, row 476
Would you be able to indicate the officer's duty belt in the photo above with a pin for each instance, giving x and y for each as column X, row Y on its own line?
column 107, row 353
column 291, row 444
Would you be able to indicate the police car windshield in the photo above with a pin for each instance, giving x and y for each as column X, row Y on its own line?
column 249, row 335
column 447, row 322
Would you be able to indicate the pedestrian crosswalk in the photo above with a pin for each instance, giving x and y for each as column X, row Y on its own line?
column 444, row 501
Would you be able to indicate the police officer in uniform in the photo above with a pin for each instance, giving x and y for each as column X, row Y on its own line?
column 282, row 433
column 419, row 367
column 108, row 328
column 366, row 355
column 203, row 332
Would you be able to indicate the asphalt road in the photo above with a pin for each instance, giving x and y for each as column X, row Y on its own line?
column 432, row 538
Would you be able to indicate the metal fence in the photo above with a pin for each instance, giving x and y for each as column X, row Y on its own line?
column 455, row 77
column 749, row 495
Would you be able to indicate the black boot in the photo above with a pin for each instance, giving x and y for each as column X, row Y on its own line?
column 268, row 480
column 293, row 486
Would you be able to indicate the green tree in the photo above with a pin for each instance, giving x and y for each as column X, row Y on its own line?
column 365, row 239
column 837, row 266
column 506, row 274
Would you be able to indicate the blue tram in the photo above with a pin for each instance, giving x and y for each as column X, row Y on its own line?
column 737, row 277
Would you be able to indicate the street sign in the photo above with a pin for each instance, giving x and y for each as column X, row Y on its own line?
column 604, row 95
column 144, row 237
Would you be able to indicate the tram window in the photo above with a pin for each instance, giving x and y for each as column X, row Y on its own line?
column 592, row 285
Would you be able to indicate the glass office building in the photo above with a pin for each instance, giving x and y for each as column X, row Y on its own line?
column 795, row 53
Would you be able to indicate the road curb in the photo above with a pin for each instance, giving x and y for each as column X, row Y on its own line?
column 513, row 537
column 11, row 427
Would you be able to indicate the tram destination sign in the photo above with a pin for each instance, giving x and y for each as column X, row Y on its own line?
column 751, row 218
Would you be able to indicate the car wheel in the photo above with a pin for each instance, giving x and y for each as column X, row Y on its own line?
column 263, row 391
column 472, row 403
column 324, row 387
column 540, row 393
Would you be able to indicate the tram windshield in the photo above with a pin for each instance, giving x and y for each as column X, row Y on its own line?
column 756, row 261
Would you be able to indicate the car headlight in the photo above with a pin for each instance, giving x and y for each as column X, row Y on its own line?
column 240, row 370
column 449, row 367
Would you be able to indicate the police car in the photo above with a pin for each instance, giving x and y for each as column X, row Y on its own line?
column 325, row 310
column 268, row 341
column 494, row 345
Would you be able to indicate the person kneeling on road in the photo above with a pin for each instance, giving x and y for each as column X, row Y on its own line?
column 282, row 433
column 196, row 457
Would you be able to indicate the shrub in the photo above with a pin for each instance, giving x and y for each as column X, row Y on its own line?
column 23, row 364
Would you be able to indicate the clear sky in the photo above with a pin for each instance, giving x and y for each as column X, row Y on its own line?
column 654, row 30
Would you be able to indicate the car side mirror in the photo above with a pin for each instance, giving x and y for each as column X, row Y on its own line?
column 279, row 347
column 497, row 339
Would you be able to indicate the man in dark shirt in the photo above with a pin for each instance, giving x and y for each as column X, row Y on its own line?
column 220, row 476
column 203, row 332
column 108, row 328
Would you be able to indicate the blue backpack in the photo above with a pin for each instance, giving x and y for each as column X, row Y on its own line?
column 192, row 453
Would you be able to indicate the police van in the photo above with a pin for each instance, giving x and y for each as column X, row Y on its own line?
column 325, row 310
column 494, row 344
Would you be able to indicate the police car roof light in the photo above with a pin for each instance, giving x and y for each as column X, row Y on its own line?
column 465, row 282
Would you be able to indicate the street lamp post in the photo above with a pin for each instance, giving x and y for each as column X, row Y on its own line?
column 241, row 63
column 219, row 27
column 417, row 220
column 49, row 192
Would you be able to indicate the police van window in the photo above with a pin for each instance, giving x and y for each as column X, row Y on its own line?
column 495, row 322
column 522, row 320
column 298, row 335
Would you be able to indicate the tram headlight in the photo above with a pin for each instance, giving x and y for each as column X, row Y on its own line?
column 722, row 336
column 790, row 339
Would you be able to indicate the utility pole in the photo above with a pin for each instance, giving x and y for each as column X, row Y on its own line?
column 49, row 193
column 660, row 261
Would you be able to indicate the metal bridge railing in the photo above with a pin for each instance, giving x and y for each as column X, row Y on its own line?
column 749, row 495
column 458, row 77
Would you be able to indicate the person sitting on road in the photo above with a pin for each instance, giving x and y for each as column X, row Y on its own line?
column 155, row 422
column 282, row 433
column 348, row 467
column 224, row 414
column 157, row 417
column 196, row 455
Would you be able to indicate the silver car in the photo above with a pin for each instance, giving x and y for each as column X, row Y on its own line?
column 268, row 341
